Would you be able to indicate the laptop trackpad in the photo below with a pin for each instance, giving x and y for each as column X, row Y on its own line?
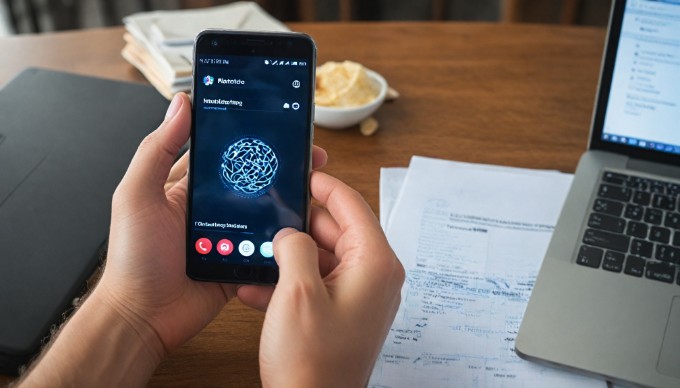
column 669, row 359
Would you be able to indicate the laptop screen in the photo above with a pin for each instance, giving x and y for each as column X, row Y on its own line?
column 643, row 104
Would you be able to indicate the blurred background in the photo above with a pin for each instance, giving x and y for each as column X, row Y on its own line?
column 36, row 16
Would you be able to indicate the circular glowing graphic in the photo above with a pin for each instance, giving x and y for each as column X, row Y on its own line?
column 249, row 166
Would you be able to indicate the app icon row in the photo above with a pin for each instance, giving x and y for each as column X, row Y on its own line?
column 225, row 247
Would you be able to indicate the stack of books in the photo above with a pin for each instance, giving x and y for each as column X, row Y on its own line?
column 160, row 43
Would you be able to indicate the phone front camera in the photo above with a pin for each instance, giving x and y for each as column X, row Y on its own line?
column 214, row 42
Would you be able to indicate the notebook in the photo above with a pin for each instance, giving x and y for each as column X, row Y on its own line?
column 607, row 298
column 65, row 143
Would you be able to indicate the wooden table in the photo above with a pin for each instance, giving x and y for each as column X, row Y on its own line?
column 516, row 95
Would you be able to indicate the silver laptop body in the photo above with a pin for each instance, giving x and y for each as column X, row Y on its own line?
column 612, row 309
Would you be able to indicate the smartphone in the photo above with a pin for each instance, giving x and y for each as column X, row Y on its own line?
column 250, row 154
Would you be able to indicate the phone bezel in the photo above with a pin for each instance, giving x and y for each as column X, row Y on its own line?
column 258, row 44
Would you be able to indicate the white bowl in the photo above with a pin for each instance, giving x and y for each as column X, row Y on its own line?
column 338, row 118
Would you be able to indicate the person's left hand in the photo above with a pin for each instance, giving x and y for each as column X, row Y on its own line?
column 144, row 278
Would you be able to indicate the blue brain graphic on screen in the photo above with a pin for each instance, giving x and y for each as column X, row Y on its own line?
column 249, row 167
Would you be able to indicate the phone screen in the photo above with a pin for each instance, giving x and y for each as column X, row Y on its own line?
column 250, row 152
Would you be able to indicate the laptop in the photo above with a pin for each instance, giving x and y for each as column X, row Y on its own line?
column 606, row 301
column 65, row 143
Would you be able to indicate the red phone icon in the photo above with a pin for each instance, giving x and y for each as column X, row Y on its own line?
column 203, row 246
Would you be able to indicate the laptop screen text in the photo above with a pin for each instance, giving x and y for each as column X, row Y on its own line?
column 643, row 109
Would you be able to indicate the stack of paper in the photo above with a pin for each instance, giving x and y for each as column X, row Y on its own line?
column 160, row 43
column 471, row 238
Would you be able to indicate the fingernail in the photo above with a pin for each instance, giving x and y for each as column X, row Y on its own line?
column 174, row 107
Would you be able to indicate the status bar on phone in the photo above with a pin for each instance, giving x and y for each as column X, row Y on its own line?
column 283, row 62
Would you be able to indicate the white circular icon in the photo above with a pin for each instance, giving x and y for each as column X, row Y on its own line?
column 246, row 248
column 295, row 106
column 267, row 249
column 296, row 84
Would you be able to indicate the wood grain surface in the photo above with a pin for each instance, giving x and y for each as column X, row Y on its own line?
column 508, row 94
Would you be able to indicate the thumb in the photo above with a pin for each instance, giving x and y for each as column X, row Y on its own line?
column 297, row 255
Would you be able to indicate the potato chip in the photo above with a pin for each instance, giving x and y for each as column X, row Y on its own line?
column 369, row 126
column 344, row 84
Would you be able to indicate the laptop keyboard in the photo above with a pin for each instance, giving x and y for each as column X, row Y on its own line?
column 634, row 228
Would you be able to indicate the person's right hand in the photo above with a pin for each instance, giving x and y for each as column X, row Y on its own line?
column 334, row 304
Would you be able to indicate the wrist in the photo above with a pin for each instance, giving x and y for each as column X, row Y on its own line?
column 136, row 326
column 100, row 343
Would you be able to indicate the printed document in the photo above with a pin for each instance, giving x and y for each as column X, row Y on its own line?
column 471, row 238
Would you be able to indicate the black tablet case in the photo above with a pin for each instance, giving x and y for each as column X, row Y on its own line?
column 65, row 143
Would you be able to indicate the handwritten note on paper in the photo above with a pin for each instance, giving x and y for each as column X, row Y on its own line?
column 471, row 239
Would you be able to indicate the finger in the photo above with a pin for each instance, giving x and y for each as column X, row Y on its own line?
column 229, row 290
column 257, row 297
column 151, row 164
column 319, row 157
column 177, row 172
column 298, row 258
column 323, row 228
column 360, row 239
column 345, row 204
column 178, row 193
column 327, row 262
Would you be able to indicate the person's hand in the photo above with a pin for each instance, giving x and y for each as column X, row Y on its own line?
column 144, row 278
column 336, row 298
column 144, row 305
